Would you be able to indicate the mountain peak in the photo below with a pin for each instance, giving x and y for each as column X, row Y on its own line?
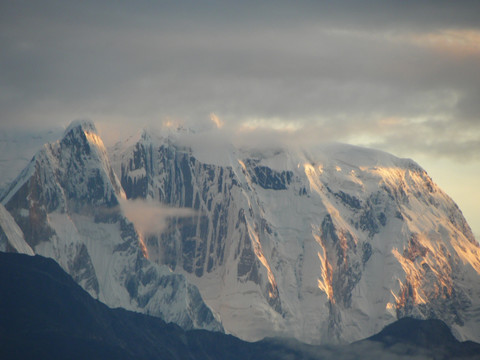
column 83, row 134
column 85, row 125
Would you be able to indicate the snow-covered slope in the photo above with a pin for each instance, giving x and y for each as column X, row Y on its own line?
column 325, row 244
column 11, row 236
column 66, row 203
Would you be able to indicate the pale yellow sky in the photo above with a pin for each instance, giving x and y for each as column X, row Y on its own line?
column 461, row 181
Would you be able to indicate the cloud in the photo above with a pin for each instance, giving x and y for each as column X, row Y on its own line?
column 151, row 218
column 456, row 42
column 435, row 137
column 330, row 70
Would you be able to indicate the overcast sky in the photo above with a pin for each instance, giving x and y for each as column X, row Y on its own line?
column 401, row 76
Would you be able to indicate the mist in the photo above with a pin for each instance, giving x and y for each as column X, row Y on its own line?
column 151, row 218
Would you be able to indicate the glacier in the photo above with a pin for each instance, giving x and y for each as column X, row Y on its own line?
column 327, row 244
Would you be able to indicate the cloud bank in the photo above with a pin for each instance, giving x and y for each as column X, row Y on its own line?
column 402, row 76
column 344, row 66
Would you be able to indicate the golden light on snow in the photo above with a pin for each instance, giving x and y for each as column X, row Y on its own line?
column 389, row 175
column 276, row 124
column 312, row 178
column 143, row 246
column 168, row 124
column 413, row 282
column 257, row 249
column 216, row 120
column 325, row 283
column 171, row 123
column 95, row 139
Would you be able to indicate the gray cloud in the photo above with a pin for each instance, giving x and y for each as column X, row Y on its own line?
column 339, row 68
column 403, row 76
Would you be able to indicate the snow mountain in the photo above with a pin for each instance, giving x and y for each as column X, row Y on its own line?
column 325, row 244
column 66, row 205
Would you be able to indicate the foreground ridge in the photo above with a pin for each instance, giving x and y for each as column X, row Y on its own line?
column 64, row 321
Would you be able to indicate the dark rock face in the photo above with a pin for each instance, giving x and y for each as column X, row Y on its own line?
column 347, row 199
column 373, row 217
column 135, row 187
column 174, row 177
column 268, row 178
column 415, row 250
column 247, row 267
column 197, row 244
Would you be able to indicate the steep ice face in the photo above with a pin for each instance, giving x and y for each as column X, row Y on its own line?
column 327, row 245
column 66, row 203
column 11, row 236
